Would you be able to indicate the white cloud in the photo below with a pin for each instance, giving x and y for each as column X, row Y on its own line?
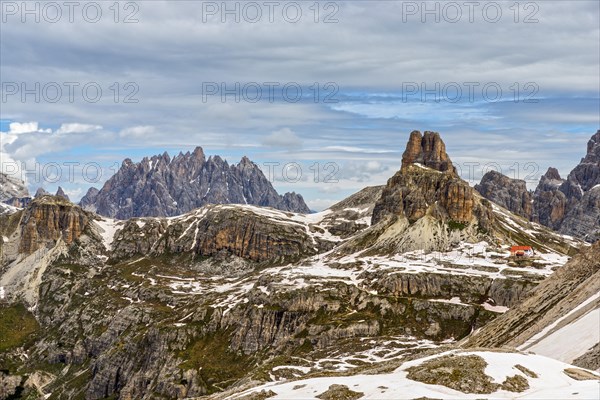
column 25, row 127
column 285, row 138
column 138, row 132
column 77, row 128
column 364, row 53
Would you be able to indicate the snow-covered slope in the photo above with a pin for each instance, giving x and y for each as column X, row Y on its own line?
column 545, row 377
column 570, row 341
column 560, row 319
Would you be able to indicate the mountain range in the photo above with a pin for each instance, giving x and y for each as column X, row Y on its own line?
column 406, row 290
column 162, row 187
column 570, row 206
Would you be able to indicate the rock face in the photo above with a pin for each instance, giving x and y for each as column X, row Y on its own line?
column 61, row 193
column 11, row 187
column 511, row 194
column 428, row 150
column 549, row 202
column 217, row 231
column 427, row 183
column 572, row 206
column 48, row 219
column 161, row 186
column 88, row 202
column 40, row 192
column 13, row 191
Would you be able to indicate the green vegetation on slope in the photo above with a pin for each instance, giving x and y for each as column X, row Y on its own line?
column 17, row 325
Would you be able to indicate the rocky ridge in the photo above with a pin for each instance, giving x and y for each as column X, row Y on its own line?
column 570, row 206
column 511, row 194
column 162, row 187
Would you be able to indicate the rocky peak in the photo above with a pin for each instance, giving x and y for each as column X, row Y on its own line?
column 127, row 163
column 61, row 193
column 245, row 161
column 429, row 150
column 198, row 154
column 552, row 174
column 159, row 186
column 427, row 184
column 511, row 194
column 41, row 192
column 593, row 149
column 88, row 201
column 550, row 181
column 587, row 173
column 572, row 206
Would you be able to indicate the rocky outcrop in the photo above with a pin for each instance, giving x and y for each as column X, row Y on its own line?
column 587, row 173
column 40, row 192
column 470, row 289
column 414, row 191
column 550, row 204
column 217, row 231
column 48, row 219
column 427, row 184
column 428, row 150
column 583, row 217
column 9, row 385
column 572, row 206
column 352, row 214
column 11, row 187
column 13, row 191
column 88, row 202
column 511, row 194
column 589, row 360
column 160, row 186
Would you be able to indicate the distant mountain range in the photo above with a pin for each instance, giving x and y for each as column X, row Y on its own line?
column 161, row 186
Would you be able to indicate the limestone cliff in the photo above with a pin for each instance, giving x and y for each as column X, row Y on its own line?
column 48, row 219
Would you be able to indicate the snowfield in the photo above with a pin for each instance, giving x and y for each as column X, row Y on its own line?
column 551, row 383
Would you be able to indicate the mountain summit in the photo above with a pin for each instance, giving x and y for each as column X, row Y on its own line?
column 429, row 150
column 426, row 185
column 160, row 186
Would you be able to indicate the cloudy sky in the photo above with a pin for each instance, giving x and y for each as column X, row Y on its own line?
column 509, row 87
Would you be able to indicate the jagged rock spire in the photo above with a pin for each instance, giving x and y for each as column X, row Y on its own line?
column 40, row 192
column 61, row 193
column 161, row 186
